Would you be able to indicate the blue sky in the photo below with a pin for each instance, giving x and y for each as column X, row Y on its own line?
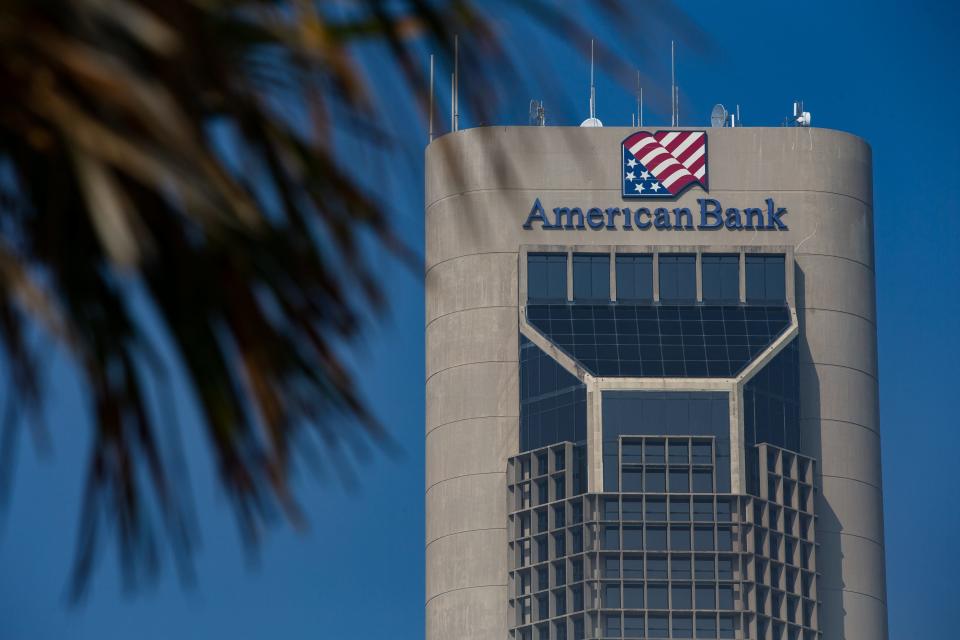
column 884, row 70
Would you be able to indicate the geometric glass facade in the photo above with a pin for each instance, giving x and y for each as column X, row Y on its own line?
column 662, row 548
column 660, row 340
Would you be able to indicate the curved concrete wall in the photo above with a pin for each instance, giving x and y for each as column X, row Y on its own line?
column 481, row 184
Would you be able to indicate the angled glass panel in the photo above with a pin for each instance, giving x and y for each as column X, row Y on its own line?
column 663, row 340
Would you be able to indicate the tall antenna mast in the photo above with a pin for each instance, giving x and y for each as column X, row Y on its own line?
column 431, row 99
column 639, row 101
column 593, row 95
column 592, row 120
column 673, row 86
column 456, row 83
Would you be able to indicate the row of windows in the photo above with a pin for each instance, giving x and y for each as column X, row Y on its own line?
column 720, row 278
column 638, row 566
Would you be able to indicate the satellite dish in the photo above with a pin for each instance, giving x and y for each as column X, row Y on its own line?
column 718, row 117
column 591, row 122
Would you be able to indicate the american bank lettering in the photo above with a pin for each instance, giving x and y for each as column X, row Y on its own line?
column 711, row 215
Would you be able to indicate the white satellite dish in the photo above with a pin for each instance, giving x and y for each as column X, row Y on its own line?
column 718, row 117
column 591, row 122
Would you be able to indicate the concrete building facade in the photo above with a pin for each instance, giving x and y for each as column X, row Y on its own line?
column 593, row 468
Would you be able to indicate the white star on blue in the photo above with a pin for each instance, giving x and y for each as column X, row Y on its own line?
column 637, row 182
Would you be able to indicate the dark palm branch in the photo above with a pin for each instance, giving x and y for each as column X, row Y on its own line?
column 180, row 153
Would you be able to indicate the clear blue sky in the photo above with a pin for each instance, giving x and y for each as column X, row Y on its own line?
column 884, row 70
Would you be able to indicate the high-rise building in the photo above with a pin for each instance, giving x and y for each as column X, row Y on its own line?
column 651, row 386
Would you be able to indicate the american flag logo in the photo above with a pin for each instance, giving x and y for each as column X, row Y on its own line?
column 663, row 164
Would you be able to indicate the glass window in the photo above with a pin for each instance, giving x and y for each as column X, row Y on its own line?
column 678, row 451
column 680, row 538
column 632, row 509
column 704, row 568
column 706, row 596
column 680, row 567
column 657, row 596
column 707, row 626
column 679, row 509
column 657, row 538
column 543, row 607
column 657, row 567
column 703, row 538
column 559, row 516
column 633, row 537
column 655, row 451
column 611, row 595
column 547, row 277
column 633, row 567
column 725, row 593
column 720, row 275
column 726, row 626
column 633, row 625
column 657, row 625
column 656, row 509
column 560, row 602
column 560, row 573
column 543, row 578
column 681, row 596
column 634, row 278
column 633, row 595
column 591, row 277
column 702, row 481
column 577, row 567
column 725, row 567
column 702, row 509
column 611, row 537
column 656, row 480
column 678, row 278
column 631, row 452
column 611, row 625
column 682, row 626
column 702, row 452
column 679, row 480
column 632, row 481
column 766, row 281
column 611, row 509
column 611, row 567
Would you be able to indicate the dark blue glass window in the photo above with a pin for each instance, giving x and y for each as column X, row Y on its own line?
column 660, row 341
column 591, row 277
column 670, row 413
column 771, row 410
column 547, row 277
column 766, row 282
column 720, row 275
column 552, row 402
column 634, row 278
column 678, row 277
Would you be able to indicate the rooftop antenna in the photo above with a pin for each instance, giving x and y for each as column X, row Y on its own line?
column 456, row 83
column 431, row 98
column 538, row 116
column 673, row 84
column 738, row 116
column 592, row 121
column 639, row 101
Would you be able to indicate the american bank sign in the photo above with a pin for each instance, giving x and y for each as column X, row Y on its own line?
column 661, row 166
